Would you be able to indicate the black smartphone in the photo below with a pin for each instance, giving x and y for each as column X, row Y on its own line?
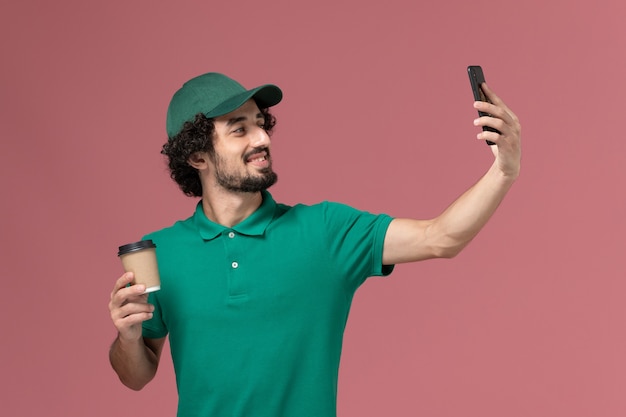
column 477, row 77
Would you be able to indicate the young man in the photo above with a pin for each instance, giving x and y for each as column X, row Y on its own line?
column 255, row 295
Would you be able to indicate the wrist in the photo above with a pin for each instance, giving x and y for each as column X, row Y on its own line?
column 504, row 177
column 128, row 342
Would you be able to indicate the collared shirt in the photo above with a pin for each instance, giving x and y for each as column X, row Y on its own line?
column 255, row 313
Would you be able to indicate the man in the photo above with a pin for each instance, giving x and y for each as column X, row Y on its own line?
column 255, row 295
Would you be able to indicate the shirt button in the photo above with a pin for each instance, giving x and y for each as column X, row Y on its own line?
column 231, row 235
column 235, row 265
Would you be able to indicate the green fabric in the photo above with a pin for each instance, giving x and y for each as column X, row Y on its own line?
column 262, row 337
column 214, row 94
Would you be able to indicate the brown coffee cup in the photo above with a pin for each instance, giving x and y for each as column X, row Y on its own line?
column 140, row 259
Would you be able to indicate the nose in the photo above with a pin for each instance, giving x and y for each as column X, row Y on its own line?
column 260, row 138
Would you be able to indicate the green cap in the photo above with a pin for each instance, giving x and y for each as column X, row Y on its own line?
column 214, row 95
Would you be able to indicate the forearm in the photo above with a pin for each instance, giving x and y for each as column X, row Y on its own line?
column 410, row 240
column 134, row 362
column 466, row 216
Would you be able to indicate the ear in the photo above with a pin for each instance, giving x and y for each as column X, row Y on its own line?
column 199, row 160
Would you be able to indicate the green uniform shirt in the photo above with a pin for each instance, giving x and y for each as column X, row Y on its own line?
column 256, row 313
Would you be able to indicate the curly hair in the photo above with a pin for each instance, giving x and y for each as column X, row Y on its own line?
column 196, row 136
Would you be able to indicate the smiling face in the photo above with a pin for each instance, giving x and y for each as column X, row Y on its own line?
column 241, row 160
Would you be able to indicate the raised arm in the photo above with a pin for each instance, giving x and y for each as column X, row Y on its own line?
column 133, row 357
column 409, row 240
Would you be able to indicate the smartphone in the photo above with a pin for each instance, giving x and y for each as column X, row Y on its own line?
column 477, row 77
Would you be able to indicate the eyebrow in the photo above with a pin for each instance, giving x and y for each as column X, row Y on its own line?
column 239, row 119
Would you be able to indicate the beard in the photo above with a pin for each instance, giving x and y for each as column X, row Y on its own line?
column 244, row 183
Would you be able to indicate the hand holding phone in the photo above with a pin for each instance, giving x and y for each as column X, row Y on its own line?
column 477, row 77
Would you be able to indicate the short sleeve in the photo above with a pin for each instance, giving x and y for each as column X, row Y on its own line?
column 356, row 241
column 155, row 327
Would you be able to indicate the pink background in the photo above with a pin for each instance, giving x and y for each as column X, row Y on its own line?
column 528, row 321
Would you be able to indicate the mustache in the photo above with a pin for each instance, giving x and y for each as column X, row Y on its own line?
column 257, row 150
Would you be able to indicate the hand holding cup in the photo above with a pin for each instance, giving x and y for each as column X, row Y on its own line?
column 129, row 307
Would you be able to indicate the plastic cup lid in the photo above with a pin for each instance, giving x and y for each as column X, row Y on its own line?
column 135, row 246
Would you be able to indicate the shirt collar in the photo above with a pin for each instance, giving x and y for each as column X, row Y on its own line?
column 253, row 225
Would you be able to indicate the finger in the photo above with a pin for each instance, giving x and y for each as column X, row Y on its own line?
column 132, row 294
column 495, row 111
column 119, row 312
column 492, row 122
column 123, row 281
column 491, row 95
column 131, row 309
column 130, row 320
column 498, row 102
column 128, row 294
column 489, row 136
column 128, row 307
